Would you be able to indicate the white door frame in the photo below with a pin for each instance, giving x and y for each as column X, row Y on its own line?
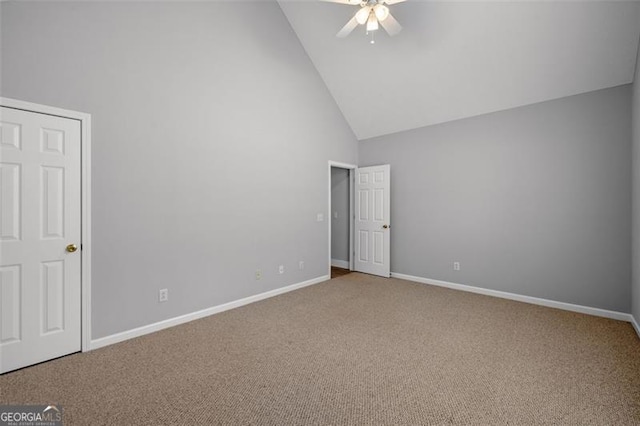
column 351, row 168
column 85, row 195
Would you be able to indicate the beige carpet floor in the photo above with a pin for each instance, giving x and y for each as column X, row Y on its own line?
column 355, row 350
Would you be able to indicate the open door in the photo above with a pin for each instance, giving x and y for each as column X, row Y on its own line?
column 372, row 220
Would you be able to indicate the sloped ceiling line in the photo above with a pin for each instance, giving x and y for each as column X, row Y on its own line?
column 462, row 59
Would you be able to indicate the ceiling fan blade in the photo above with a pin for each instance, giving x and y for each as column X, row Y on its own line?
column 350, row 2
column 391, row 25
column 392, row 1
column 346, row 30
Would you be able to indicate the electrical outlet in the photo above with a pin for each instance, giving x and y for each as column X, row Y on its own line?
column 281, row 269
column 258, row 274
column 456, row 266
column 301, row 265
column 163, row 295
column 319, row 217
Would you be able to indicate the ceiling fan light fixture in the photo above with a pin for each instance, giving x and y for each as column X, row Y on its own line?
column 372, row 23
column 362, row 15
column 372, row 13
column 381, row 11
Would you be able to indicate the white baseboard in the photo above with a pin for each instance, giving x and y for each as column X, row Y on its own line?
column 520, row 298
column 635, row 325
column 141, row 331
column 340, row 263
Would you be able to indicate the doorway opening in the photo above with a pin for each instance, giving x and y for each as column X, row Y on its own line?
column 369, row 231
column 340, row 218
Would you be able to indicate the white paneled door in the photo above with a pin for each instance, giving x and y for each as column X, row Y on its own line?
column 40, row 233
column 372, row 222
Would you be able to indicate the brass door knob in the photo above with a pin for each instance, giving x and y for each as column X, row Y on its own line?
column 386, row 226
column 72, row 248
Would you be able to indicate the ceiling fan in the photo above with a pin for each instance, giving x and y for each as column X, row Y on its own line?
column 372, row 13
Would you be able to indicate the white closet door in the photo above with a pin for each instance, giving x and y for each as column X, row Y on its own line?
column 40, row 234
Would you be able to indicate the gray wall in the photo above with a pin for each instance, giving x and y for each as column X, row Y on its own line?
column 211, row 136
column 534, row 200
column 340, row 207
column 636, row 194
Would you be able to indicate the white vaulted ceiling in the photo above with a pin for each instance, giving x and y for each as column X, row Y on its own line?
column 460, row 59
